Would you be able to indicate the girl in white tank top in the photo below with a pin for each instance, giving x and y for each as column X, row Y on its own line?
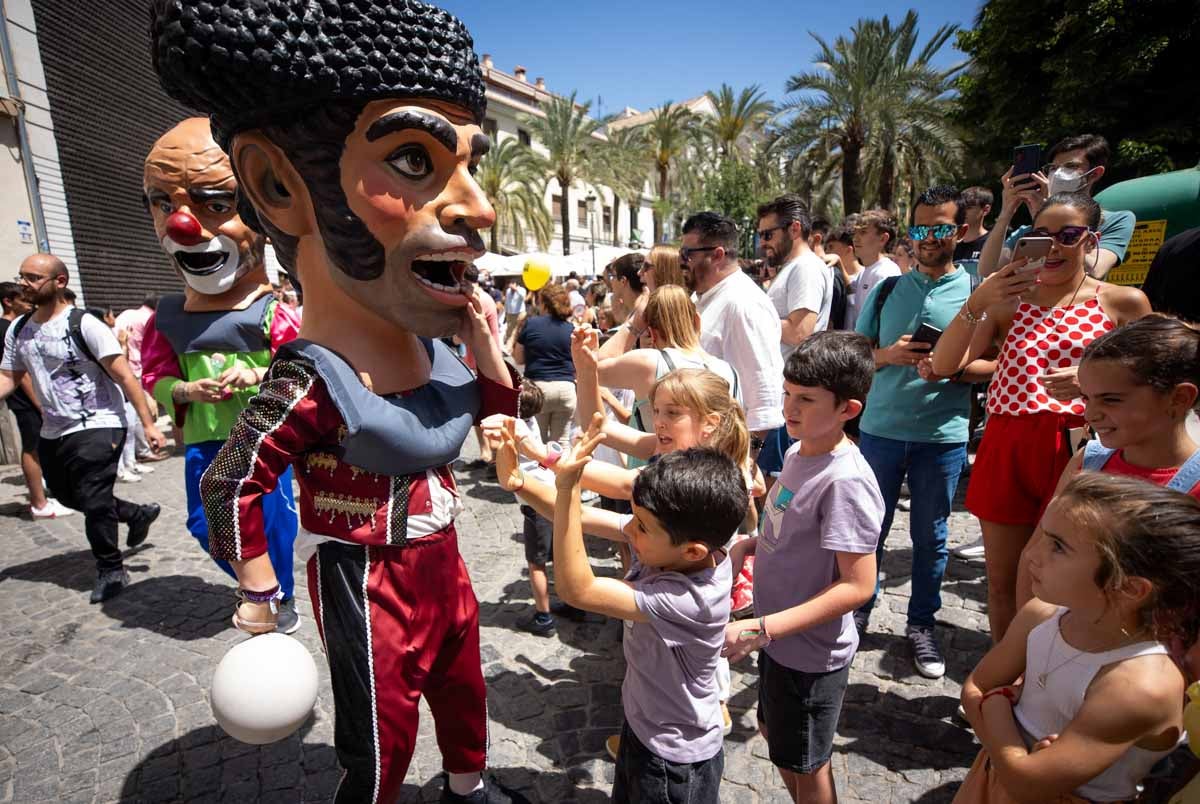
column 1079, row 699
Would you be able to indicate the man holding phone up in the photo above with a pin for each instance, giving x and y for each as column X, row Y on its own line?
column 915, row 423
column 1075, row 164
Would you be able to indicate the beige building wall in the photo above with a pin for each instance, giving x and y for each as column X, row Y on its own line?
column 17, row 239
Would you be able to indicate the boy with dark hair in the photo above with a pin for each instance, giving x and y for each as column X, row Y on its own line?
column 977, row 203
column 675, row 601
column 1074, row 165
column 815, row 563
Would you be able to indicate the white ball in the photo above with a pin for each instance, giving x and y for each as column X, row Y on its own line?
column 264, row 688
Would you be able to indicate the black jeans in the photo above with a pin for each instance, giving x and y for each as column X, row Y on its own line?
column 643, row 777
column 80, row 469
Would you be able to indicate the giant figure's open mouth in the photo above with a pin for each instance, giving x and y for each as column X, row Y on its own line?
column 201, row 263
column 442, row 272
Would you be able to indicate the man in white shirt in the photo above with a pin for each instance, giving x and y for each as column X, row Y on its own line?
column 79, row 372
column 874, row 234
column 803, row 288
column 738, row 323
column 514, row 308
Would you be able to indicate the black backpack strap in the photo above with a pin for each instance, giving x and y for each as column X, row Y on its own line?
column 75, row 324
column 18, row 325
column 881, row 297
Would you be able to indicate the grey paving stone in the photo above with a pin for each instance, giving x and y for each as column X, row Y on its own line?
column 119, row 691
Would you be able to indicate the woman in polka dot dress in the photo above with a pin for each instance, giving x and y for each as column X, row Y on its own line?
column 1041, row 317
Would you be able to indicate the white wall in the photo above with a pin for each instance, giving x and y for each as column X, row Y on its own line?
column 22, row 34
column 14, row 204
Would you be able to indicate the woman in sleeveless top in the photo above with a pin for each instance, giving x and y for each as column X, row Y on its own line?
column 1042, row 317
column 1080, row 699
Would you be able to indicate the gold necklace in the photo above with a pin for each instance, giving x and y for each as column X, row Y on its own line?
column 1041, row 677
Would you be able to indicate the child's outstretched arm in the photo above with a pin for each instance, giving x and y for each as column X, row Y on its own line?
column 538, row 495
column 573, row 577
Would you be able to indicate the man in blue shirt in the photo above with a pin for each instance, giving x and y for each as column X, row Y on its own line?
column 915, row 423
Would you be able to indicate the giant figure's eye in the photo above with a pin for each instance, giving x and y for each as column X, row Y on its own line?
column 412, row 161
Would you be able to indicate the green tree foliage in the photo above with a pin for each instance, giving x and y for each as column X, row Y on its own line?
column 733, row 190
column 514, row 181
column 623, row 164
column 667, row 137
column 739, row 116
column 566, row 132
column 1125, row 69
column 872, row 95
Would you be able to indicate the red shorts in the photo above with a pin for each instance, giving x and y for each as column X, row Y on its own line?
column 1018, row 465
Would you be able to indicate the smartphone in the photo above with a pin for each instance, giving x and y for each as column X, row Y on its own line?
column 1035, row 248
column 927, row 333
column 1027, row 159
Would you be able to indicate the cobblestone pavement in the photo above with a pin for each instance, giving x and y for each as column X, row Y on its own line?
column 107, row 703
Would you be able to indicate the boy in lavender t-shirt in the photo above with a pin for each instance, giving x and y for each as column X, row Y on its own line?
column 686, row 506
column 814, row 562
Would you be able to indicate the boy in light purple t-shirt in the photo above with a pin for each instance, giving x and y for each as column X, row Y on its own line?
column 814, row 562
column 686, row 506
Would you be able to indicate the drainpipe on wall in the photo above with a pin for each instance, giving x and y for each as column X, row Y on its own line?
column 31, row 179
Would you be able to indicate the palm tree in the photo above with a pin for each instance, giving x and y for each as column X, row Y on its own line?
column 623, row 163
column 667, row 135
column 737, row 116
column 859, row 90
column 513, row 180
column 566, row 132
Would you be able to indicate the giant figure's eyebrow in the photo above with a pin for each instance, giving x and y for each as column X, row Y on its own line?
column 434, row 126
column 202, row 194
column 480, row 145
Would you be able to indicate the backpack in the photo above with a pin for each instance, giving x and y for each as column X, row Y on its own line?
column 1095, row 455
column 74, row 326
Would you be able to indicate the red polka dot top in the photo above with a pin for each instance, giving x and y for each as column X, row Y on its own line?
column 1042, row 338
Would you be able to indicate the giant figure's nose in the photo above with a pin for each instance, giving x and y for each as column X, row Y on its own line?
column 184, row 229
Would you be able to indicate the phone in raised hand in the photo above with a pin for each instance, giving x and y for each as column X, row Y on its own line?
column 1035, row 249
column 1027, row 159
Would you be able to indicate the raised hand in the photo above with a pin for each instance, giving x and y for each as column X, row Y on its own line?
column 585, row 350
column 1004, row 287
column 568, row 469
column 503, row 441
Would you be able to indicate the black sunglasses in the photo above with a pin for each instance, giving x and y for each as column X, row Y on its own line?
column 685, row 254
column 766, row 235
column 1066, row 236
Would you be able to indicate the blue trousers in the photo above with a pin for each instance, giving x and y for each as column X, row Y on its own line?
column 933, row 471
column 280, row 519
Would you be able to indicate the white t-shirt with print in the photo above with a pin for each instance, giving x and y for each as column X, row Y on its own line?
column 76, row 393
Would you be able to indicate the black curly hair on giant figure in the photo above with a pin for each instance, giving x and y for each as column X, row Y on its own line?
column 302, row 71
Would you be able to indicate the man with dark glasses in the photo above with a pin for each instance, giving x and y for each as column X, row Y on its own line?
column 737, row 322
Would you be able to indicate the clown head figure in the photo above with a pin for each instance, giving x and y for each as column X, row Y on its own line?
column 354, row 139
column 191, row 193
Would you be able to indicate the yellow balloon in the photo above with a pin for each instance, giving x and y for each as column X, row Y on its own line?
column 535, row 275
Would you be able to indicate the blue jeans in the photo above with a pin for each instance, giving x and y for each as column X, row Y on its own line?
column 280, row 517
column 933, row 471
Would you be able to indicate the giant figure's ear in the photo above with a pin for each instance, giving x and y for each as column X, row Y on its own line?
column 271, row 183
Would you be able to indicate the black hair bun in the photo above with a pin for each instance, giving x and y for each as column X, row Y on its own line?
column 252, row 63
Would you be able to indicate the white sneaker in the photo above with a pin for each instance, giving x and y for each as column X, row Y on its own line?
column 129, row 477
column 970, row 552
column 142, row 469
column 53, row 509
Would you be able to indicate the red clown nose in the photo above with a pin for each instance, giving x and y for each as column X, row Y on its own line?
column 184, row 229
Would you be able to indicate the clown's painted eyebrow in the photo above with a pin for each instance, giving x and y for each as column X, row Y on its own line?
column 202, row 194
column 435, row 127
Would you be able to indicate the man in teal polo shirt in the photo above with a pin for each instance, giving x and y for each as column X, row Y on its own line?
column 915, row 423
